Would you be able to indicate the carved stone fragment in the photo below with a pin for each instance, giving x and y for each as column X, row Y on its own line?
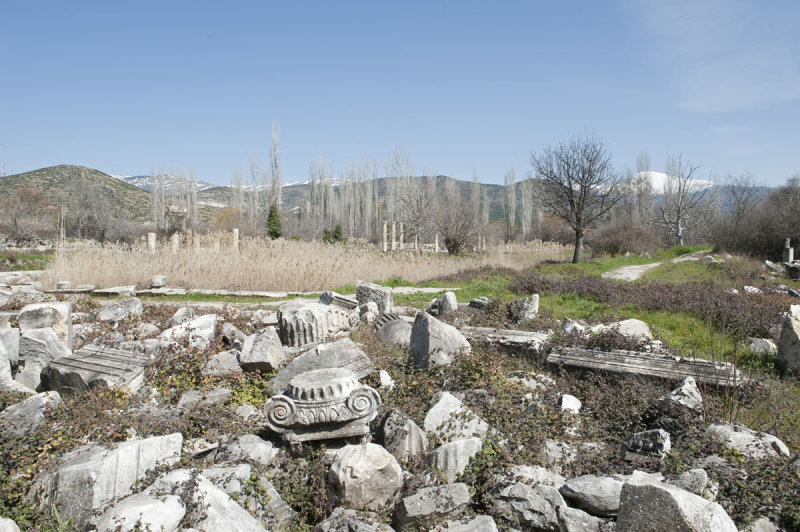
column 323, row 404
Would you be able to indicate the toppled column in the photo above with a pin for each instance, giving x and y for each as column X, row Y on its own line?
column 303, row 323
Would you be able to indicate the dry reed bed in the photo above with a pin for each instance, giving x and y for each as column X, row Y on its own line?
column 279, row 265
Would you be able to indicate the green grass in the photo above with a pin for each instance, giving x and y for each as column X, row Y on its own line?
column 15, row 262
column 601, row 265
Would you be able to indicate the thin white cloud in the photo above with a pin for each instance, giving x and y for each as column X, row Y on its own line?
column 723, row 55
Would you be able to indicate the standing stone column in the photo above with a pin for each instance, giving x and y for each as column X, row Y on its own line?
column 196, row 242
column 235, row 238
column 394, row 236
column 385, row 247
column 788, row 251
column 436, row 243
column 151, row 242
column 402, row 235
column 216, row 245
column 174, row 242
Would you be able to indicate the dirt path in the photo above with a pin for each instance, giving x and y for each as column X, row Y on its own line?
column 630, row 273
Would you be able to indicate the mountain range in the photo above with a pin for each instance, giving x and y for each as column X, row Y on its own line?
column 131, row 198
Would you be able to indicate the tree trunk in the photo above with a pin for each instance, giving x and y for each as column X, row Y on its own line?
column 679, row 233
column 576, row 257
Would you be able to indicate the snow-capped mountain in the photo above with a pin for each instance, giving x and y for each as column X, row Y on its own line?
column 143, row 181
column 659, row 182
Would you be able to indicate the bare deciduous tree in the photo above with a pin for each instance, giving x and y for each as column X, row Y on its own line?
column 744, row 197
column 455, row 217
column 686, row 205
column 510, row 203
column 576, row 183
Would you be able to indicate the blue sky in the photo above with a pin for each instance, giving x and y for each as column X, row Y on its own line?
column 460, row 86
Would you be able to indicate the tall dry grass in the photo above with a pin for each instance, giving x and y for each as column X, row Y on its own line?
column 280, row 265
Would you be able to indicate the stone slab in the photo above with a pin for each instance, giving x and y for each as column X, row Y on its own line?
column 95, row 366
column 653, row 365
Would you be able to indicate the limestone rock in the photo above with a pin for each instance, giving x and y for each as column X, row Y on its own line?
column 536, row 475
column 450, row 419
column 251, row 448
column 204, row 398
column 8, row 525
column 144, row 511
column 685, row 397
column 380, row 295
column 347, row 520
column 481, row 523
column 7, row 383
column 387, row 382
column 393, row 329
column 570, row 326
column 121, row 310
column 232, row 336
column 223, row 364
column 762, row 525
column 219, row 510
column 25, row 416
column 434, row 342
column 444, row 304
column 633, row 330
column 762, row 346
column 696, row 481
column 365, row 476
column 430, row 505
column 303, row 323
column 263, row 352
column 575, row 520
column 342, row 353
column 200, row 331
column 368, row 312
column 749, row 442
column 158, row 281
column 90, row 477
column 650, row 442
column 58, row 316
column 453, row 457
column 646, row 504
column 234, row 480
column 37, row 347
column 596, row 495
column 402, row 437
column 9, row 343
column 526, row 508
column 556, row 453
column 181, row 316
column 569, row 403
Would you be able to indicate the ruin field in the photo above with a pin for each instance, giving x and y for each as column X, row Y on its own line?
column 507, row 390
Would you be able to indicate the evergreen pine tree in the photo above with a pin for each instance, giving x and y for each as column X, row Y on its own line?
column 274, row 229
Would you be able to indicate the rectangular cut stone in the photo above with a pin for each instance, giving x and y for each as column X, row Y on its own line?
column 653, row 365
column 94, row 366
column 116, row 291
column 526, row 340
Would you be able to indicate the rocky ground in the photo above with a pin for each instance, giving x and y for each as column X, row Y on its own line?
column 353, row 414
